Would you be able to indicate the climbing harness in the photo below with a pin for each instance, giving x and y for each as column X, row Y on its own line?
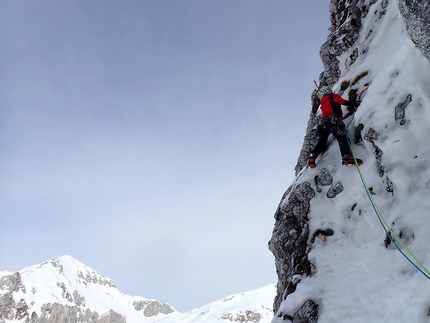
column 390, row 233
column 331, row 119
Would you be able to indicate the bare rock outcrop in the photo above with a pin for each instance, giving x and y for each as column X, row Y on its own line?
column 289, row 241
column 416, row 14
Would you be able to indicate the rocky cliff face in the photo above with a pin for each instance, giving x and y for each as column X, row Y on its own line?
column 355, row 34
column 346, row 18
column 416, row 15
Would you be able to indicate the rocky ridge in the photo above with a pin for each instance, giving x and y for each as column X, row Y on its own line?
column 349, row 40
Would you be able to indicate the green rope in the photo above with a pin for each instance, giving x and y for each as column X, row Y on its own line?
column 385, row 225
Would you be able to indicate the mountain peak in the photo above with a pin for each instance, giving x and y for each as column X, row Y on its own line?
column 65, row 287
column 62, row 289
column 73, row 270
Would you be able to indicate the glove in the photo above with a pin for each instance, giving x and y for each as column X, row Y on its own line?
column 357, row 103
column 351, row 109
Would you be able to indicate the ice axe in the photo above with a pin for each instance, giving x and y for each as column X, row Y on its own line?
column 316, row 85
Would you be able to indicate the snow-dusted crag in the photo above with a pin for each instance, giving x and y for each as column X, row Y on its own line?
column 416, row 14
column 63, row 290
column 332, row 256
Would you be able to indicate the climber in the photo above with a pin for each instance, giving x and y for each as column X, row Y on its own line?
column 332, row 123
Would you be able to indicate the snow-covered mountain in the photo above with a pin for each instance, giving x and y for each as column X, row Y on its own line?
column 334, row 260
column 63, row 289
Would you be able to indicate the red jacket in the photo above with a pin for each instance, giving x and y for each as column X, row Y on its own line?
column 331, row 104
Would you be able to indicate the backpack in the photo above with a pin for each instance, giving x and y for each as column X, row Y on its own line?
column 336, row 107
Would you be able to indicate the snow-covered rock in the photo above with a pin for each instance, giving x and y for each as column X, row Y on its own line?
column 63, row 289
column 333, row 259
column 252, row 306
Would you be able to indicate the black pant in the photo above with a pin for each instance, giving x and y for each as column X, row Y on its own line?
column 335, row 126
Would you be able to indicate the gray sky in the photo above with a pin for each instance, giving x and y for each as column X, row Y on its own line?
column 152, row 140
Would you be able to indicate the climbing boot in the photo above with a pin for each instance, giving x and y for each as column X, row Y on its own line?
column 349, row 160
column 311, row 160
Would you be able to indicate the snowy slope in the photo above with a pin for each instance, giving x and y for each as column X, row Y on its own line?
column 63, row 289
column 252, row 306
column 357, row 278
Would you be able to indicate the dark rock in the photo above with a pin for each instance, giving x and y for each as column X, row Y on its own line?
column 334, row 190
column 7, row 306
column 416, row 14
column 322, row 234
column 357, row 134
column 390, row 185
column 346, row 21
column 309, row 142
column 371, row 136
column 155, row 308
column 399, row 110
column 308, row 313
column 289, row 242
column 12, row 283
column 242, row 317
column 325, row 178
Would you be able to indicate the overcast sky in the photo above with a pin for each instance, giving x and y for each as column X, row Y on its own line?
column 152, row 140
